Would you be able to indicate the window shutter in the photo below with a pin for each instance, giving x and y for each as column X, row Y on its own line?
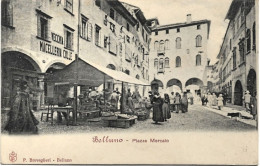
column 89, row 27
column 38, row 26
column 71, row 41
column 101, row 39
column 65, row 38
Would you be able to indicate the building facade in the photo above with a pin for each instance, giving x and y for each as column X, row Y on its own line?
column 237, row 56
column 39, row 37
column 178, row 55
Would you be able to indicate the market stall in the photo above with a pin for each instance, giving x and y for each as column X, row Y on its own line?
column 82, row 72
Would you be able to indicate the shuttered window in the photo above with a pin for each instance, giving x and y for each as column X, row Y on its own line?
column 68, row 35
column 7, row 13
column 43, row 25
column 112, row 45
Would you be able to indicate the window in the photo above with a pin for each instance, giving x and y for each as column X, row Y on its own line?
column 106, row 42
column 241, row 51
column 254, row 36
column 178, row 43
column 167, row 44
column 127, row 27
column 84, row 26
column 112, row 27
column 167, row 62
column 143, row 32
column 43, row 25
column 248, row 40
column 156, row 45
column 98, row 3
column 234, row 58
column 137, row 77
column 156, row 63
column 198, row 41
column 161, row 63
column 161, row 45
column 127, row 38
column 147, row 74
column 127, row 72
column 97, row 35
column 167, row 31
column 69, row 5
column 178, row 30
column 198, row 26
column 198, row 60
column 178, row 61
column 112, row 14
column 68, row 34
column 7, row 13
column 156, row 33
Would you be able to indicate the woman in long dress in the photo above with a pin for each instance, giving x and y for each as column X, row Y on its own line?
column 220, row 101
column 184, row 103
column 157, row 108
column 21, row 118
column 166, row 107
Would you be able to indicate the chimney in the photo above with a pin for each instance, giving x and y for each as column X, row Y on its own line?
column 188, row 18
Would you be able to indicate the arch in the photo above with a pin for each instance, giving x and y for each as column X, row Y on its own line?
column 198, row 60
column 198, row 41
column 178, row 61
column 194, row 81
column 174, row 81
column 111, row 66
column 155, row 84
column 238, row 93
column 17, row 54
column 251, row 81
column 55, row 66
column 178, row 43
column 54, row 62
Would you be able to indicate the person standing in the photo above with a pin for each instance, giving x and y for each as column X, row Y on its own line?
column 172, row 102
column 247, row 98
column 177, row 102
column 209, row 100
column 184, row 103
column 220, row 101
column 214, row 100
column 157, row 108
column 166, row 107
column 253, row 103
column 21, row 118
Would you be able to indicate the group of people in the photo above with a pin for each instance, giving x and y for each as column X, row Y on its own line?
column 211, row 99
column 162, row 107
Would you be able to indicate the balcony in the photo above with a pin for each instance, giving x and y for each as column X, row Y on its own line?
column 160, row 52
column 160, row 70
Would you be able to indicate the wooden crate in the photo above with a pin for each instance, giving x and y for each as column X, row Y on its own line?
column 121, row 123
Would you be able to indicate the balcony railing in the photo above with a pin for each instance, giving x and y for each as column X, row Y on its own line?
column 160, row 52
column 161, row 70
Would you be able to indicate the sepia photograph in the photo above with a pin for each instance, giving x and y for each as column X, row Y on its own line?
column 129, row 82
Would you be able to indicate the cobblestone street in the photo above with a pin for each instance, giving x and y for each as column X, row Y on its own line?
column 198, row 118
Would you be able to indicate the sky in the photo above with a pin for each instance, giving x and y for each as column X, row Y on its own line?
column 175, row 11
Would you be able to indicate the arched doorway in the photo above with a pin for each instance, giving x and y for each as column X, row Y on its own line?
column 194, row 85
column 174, row 85
column 17, row 66
column 251, row 81
column 155, row 84
column 238, row 93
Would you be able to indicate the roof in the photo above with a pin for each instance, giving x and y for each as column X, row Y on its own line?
column 183, row 24
column 119, row 7
column 233, row 9
column 152, row 19
column 90, row 74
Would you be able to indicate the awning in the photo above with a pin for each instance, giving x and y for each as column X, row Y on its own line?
column 89, row 73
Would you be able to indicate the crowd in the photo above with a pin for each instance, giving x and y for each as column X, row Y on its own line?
column 162, row 107
column 250, row 101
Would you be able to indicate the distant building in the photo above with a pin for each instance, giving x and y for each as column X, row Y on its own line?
column 178, row 55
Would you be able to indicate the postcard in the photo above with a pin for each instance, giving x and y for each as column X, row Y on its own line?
column 129, row 82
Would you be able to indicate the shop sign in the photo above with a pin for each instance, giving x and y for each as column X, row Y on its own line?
column 56, row 51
